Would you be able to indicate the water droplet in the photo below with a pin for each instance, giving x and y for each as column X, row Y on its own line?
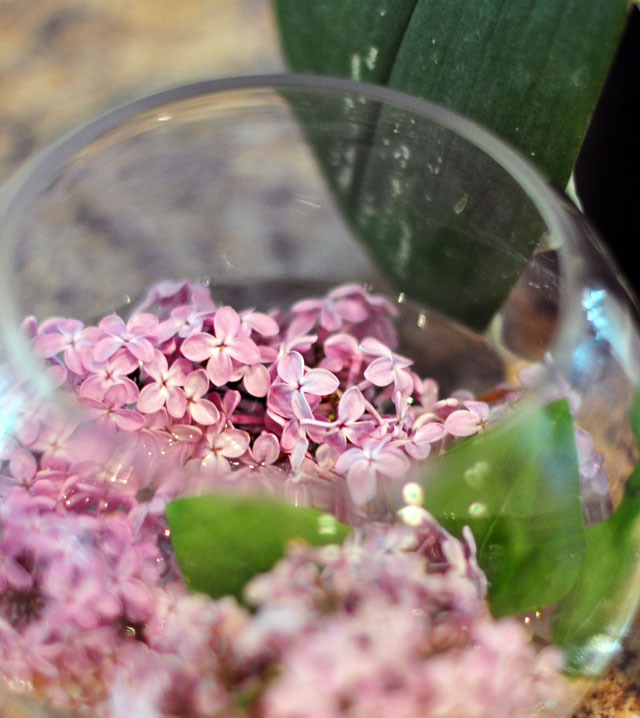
column 401, row 298
column 355, row 66
column 164, row 117
column 372, row 56
column 412, row 494
column 476, row 474
column 126, row 299
column 412, row 515
column 422, row 320
column 383, row 13
column 477, row 509
column 327, row 525
column 460, row 205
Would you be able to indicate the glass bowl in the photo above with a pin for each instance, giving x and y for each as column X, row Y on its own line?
column 265, row 192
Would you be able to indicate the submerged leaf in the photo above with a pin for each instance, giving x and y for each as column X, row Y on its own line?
column 517, row 487
column 221, row 541
column 589, row 622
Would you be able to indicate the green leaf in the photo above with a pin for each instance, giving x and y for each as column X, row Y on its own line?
column 530, row 72
column 517, row 487
column 221, row 541
column 589, row 622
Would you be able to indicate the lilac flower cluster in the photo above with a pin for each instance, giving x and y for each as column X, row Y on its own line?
column 93, row 610
column 316, row 391
column 394, row 625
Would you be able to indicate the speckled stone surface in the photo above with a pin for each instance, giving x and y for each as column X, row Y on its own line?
column 63, row 61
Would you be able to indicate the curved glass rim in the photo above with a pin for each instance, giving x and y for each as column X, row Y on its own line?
column 38, row 171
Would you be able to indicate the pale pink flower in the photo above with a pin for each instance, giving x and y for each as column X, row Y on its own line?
column 165, row 296
column 220, row 349
column 342, row 351
column 201, row 410
column 420, row 440
column 110, row 412
column 348, row 426
column 137, row 336
column 467, row 421
column 288, row 396
column 362, row 466
column 388, row 368
column 104, row 375
column 183, row 322
column 166, row 387
column 259, row 322
column 332, row 310
column 69, row 336
column 218, row 446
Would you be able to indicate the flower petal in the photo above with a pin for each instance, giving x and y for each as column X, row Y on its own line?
column 391, row 462
column 352, row 405
column 462, row 423
column 380, row 372
column 176, row 402
column 199, row 347
column 226, row 323
column 196, row 384
column 256, row 380
column 243, row 350
column 266, row 448
column 361, row 481
column 290, row 368
column 48, row 345
column 106, row 348
column 204, row 412
column 219, row 368
column 232, row 443
column 127, row 419
column 319, row 382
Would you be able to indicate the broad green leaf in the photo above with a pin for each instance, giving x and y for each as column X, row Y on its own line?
column 589, row 622
column 221, row 541
column 530, row 72
column 517, row 487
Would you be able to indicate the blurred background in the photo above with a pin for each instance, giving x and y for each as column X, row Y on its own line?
column 62, row 62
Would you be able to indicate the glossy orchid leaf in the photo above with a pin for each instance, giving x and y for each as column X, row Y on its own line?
column 530, row 72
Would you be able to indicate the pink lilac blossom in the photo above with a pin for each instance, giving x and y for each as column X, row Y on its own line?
column 306, row 403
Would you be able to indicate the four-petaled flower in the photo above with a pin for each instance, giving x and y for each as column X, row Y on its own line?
column 347, row 427
column 468, row 421
column 196, row 386
column 362, row 467
column 388, row 368
column 137, row 335
column 165, row 387
column 218, row 446
column 288, row 397
column 226, row 344
column 66, row 335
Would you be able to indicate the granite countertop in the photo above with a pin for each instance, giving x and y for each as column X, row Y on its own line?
column 64, row 61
